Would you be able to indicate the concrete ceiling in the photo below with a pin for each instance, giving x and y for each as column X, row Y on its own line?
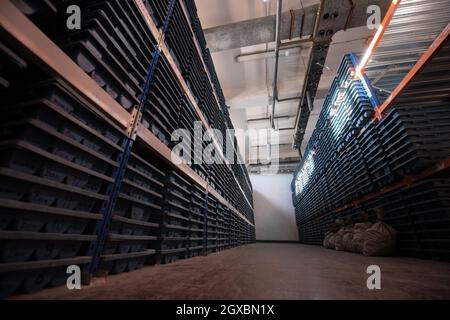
column 248, row 84
column 215, row 13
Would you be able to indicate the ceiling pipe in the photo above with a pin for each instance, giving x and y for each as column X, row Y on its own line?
column 268, row 118
column 347, row 21
column 277, row 56
column 286, row 129
column 302, row 23
column 291, row 27
column 265, row 54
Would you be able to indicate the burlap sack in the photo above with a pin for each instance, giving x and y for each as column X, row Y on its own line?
column 332, row 241
column 326, row 239
column 333, row 233
column 338, row 245
column 359, row 235
column 347, row 239
column 380, row 240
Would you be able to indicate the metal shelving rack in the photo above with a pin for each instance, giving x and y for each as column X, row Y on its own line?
column 426, row 86
column 33, row 43
column 166, row 52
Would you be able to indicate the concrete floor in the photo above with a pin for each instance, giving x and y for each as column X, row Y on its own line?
column 270, row 271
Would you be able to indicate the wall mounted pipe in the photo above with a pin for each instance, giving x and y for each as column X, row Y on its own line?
column 277, row 56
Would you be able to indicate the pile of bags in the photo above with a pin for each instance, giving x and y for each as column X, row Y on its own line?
column 370, row 239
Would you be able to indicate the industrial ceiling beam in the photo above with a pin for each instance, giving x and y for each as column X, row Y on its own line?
column 257, row 31
column 262, row 30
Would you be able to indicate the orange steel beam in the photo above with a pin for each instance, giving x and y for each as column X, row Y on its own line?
column 376, row 39
column 406, row 181
column 426, row 57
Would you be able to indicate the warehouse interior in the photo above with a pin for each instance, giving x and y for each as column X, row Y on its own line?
column 224, row 149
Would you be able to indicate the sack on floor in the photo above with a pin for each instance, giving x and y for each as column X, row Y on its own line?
column 332, row 242
column 347, row 239
column 338, row 245
column 359, row 235
column 326, row 240
column 380, row 240
column 333, row 233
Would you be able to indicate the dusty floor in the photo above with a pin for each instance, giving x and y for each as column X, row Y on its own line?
column 271, row 271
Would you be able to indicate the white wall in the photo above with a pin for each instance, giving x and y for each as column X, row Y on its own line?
column 274, row 213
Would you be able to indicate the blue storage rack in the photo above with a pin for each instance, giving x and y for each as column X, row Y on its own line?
column 352, row 156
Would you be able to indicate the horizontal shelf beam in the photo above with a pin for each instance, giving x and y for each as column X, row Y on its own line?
column 406, row 181
column 25, row 206
column 125, row 237
column 113, row 257
column 22, row 235
column 29, row 265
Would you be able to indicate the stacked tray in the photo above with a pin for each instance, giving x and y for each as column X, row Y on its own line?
column 197, row 231
column 114, row 47
column 56, row 160
column 199, row 35
column 158, row 10
column 415, row 137
column 162, row 109
column 12, row 64
column 211, row 225
column 210, row 108
column 185, row 40
column 312, row 231
column 420, row 213
column 180, row 41
column 190, row 122
column 222, row 236
column 214, row 78
column 429, row 207
column 341, row 162
column 133, row 231
column 235, row 230
column 374, row 155
column 176, row 219
column 191, row 9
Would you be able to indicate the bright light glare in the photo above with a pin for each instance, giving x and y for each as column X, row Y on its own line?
column 304, row 174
